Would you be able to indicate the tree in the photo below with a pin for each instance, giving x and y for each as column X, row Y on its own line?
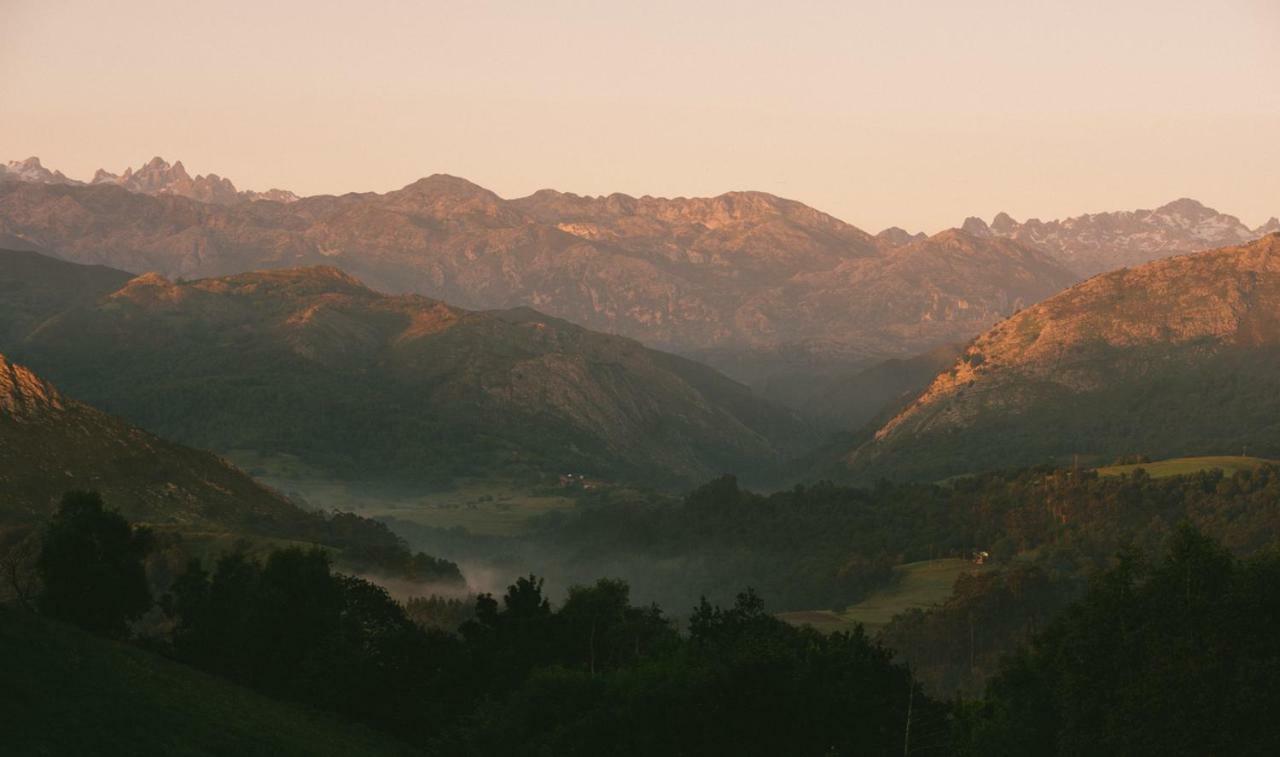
column 1176, row 656
column 19, row 580
column 91, row 565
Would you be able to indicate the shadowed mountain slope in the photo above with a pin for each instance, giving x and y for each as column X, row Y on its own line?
column 311, row 363
column 50, row 444
column 1179, row 356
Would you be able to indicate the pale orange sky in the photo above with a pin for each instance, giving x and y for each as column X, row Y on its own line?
column 904, row 113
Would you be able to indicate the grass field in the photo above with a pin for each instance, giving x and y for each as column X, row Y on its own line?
column 65, row 692
column 918, row 584
column 1179, row 466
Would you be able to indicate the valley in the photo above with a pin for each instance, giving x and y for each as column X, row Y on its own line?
column 609, row 379
column 412, row 459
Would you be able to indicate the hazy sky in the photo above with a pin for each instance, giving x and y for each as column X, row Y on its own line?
column 882, row 113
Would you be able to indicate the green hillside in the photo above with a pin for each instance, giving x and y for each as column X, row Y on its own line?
column 65, row 692
column 918, row 584
column 381, row 389
column 1181, row 466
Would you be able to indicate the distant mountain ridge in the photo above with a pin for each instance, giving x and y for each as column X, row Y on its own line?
column 1178, row 356
column 311, row 363
column 1098, row 242
column 745, row 280
column 772, row 292
column 156, row 177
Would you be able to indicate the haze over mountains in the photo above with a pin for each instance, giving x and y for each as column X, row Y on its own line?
column 774, row 293
column 1178, row 356
column 747, row 280
column 312, row 364
column 156, row 177
column 1098, row 242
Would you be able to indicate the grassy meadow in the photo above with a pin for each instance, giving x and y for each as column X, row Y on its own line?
column 917, row 584
column 1181, row 466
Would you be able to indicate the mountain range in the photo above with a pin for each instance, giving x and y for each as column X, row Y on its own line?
column 750, row 282
column 1098, row 242
column 311, row 364
column 783, row 297
column 155, row 177
column 1175, row 357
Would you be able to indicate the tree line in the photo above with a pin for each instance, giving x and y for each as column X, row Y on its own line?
column 1168, row 651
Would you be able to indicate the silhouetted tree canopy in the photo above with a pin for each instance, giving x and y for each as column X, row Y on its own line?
column 91, row 566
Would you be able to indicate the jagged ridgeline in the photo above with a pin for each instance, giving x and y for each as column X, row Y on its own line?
column 752, row 283
column 1177, row 357
column 313, row 364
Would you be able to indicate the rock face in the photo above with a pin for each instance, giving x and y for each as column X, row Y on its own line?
column 731, row 278
column 157, row 177
column 1094, row 243
column 50, row 444
column 311, row 363
column 31, row 170
column 23, row 396
column 1178, row 356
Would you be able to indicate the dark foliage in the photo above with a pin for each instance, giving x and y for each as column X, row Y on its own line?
column 1175, row 658
column 91, row 566
column 594, row 676
column 826, row 545
column 957, row 646
column 440, row 613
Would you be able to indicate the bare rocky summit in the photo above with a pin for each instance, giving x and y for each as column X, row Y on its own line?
column 23, row 396
column 31, row 170
column 1099, row 242
column 156, row 177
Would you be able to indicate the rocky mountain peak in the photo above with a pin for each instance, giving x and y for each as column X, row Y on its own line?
column 1187, row 207
column 158, row 177
column 1003, row 224
column 1270, row 227
column 975, row 226
column 895, row 236
column 1098, row 242
column 32, row 170
column 23, row 395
